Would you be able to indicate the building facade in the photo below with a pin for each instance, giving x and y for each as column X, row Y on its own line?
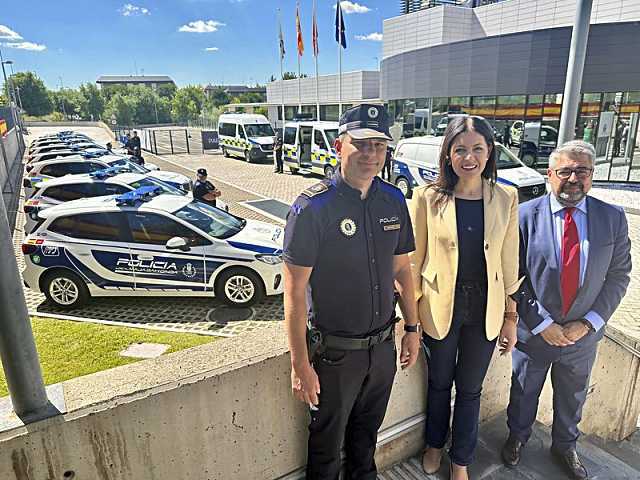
column 507, row 61
column 152, row 81
column 357, row 87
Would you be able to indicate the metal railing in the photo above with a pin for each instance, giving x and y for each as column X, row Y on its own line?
column 165, row 140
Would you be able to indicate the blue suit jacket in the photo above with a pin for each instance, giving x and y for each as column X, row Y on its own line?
column 606, row 277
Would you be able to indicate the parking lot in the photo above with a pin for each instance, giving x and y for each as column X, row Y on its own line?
column 242, row 184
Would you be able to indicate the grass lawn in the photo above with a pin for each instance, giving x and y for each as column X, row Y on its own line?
column 72, row 349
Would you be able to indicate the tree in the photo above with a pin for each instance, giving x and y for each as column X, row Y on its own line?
column 218, row 97
column 250, row 97
column 67, row 101
column 92, row 102
column 121, row 107
column 33, row 93
column 187, row 103
column 272, row 78
column 292, row 75
column 166, row 90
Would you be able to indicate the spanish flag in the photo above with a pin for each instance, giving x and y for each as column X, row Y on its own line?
column 299, row 31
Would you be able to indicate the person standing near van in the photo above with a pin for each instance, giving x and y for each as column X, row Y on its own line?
column 345, row 246
column 464, row 267
column 277, row 153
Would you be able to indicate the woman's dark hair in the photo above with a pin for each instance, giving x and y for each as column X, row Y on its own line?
column 447, row 179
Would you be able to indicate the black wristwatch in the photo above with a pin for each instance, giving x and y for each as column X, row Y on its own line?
column 411, row 328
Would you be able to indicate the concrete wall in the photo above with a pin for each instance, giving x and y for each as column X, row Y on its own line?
column 448, row 24
column 225, row 411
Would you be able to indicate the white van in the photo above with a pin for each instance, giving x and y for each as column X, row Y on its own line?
column 416, row 163
column 308, row 147
column 246, row 136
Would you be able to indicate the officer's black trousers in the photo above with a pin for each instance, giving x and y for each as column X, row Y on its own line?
column 354, row 391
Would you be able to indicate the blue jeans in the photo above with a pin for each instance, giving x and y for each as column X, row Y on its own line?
column 464, row 356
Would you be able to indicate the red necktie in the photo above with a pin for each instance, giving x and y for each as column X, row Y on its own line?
column 570, row 273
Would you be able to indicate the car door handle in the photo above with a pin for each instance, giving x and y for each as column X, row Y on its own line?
column 145, row 257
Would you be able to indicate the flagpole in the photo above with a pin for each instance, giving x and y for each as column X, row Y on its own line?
column 298, row 32
column 340, row 61
column 315, row 51
column 280, row 42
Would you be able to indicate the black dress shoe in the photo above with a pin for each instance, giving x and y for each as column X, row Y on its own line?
column 511, row 452
column 571, row 463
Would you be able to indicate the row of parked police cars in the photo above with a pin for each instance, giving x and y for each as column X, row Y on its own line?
column 308, row 148
column 100, row 224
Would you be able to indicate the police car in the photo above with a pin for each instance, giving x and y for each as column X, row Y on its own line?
column 109, row 181
column 416, row 163
column 144, row 244
column 42, row 171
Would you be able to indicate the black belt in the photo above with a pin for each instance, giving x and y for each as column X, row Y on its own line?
column 334, row 342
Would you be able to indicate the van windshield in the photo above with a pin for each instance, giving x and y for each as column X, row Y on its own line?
column 332, row 134
column 259, row 130
column 506, row 159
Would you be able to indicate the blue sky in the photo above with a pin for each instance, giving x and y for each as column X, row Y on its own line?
column 80, row 40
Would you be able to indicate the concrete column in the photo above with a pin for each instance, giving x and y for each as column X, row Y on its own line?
column 17, row 346
column 575, row 68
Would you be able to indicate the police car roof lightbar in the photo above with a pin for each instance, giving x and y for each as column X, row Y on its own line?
column 106, row 172
column 141, row 194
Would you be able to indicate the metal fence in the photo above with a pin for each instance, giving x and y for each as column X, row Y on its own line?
column 165, row 141
column 11, row 151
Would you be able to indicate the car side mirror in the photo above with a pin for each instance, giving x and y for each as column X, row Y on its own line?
column 177, row 243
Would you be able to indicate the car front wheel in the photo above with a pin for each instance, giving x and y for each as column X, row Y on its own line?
column 328, row 171
column 65, row 289
column 403, row 184
column 529, row 159
column 239, row 287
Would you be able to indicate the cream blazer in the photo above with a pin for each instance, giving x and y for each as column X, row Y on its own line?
column 434, row 263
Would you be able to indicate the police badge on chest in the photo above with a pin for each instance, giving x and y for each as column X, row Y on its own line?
column 390, row 223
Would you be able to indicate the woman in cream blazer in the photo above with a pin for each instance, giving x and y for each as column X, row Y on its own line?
column 465, row 266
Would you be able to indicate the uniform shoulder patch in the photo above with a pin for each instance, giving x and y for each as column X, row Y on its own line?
column 316, row 189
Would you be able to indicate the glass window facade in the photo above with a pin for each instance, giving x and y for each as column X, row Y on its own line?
column 528, row 125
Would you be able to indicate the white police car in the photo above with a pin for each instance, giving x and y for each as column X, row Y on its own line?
column 42, row 171
column 143, row 244
column 110, row 181
column 416, row 163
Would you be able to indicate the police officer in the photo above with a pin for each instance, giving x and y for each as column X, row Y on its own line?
column 204, row 190
column 346, row 243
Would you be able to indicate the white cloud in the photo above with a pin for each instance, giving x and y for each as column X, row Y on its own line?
column 211, row 49
column 8, row 34
column 201, row 26
column 129, row 10
column 36, row 47
column 373, row 37
column 352, row 7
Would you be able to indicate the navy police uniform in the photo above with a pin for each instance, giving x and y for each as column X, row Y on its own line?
column 200, row 189
column 350, row 243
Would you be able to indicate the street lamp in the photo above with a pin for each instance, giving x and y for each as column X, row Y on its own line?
column 64, row 110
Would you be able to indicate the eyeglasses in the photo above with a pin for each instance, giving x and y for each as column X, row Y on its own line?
column 582, row 173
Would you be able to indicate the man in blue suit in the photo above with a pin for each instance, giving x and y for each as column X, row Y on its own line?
column 576, row 255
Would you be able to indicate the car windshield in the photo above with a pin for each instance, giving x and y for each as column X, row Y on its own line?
column 154, row 182
column 506, row 159
column 259, row 130
column 331, row 136
column 129, row 166
column 212, row 220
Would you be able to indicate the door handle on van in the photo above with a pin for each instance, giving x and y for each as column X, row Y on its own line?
column 145, row 257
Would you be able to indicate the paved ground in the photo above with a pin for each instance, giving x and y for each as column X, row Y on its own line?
column 604, row 461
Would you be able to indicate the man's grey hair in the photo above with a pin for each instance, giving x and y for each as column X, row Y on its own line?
column 573, row 149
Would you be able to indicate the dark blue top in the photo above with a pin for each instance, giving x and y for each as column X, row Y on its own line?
column 200, row 189
column 472, row 266
column 351, row 244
